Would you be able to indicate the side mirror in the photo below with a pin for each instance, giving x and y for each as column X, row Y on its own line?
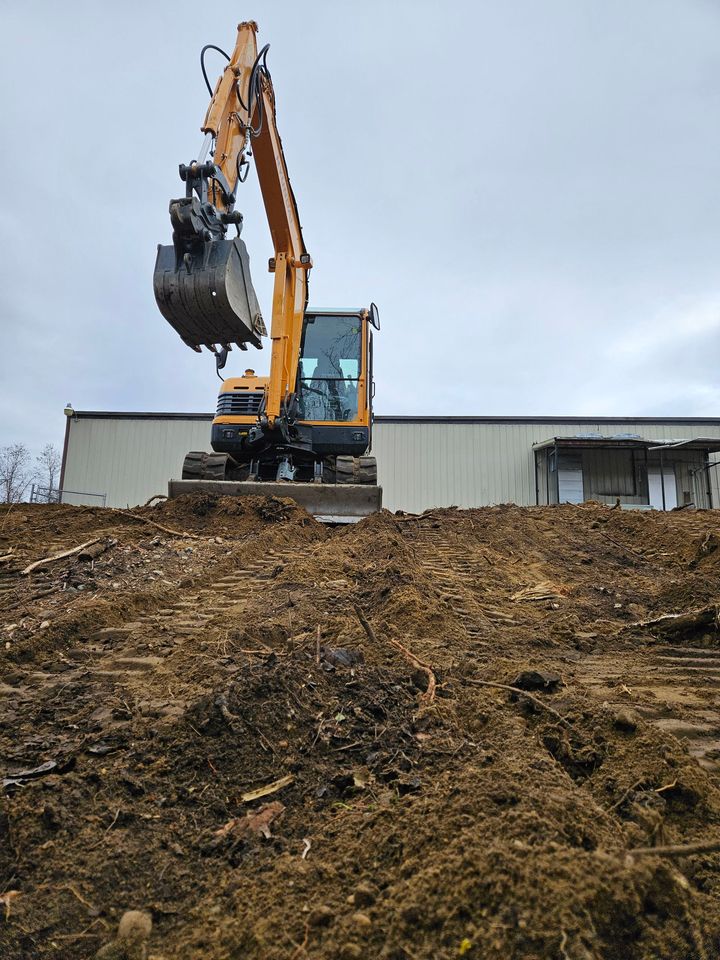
column 374, row 316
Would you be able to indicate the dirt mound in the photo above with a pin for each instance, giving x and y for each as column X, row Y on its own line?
column 419, row 737
column 207, row 513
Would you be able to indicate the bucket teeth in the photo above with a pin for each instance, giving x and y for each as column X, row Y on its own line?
column 207, row 295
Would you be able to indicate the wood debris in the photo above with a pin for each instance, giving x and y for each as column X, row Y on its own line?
column 268, row 789
column 540, row 591
column 59, row 556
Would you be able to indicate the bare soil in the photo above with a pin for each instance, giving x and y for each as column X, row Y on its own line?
column 281, row 740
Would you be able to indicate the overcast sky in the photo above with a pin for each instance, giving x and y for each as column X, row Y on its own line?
column 529, row 189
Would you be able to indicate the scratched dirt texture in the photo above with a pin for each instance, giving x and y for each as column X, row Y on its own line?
column 463, row 733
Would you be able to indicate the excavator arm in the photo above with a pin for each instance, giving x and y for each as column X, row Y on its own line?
column 202, row 283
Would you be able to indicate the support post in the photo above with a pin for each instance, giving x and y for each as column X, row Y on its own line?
column 662, row 480
column 708, row 480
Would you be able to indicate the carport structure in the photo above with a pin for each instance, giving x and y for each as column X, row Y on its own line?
column 637, row 472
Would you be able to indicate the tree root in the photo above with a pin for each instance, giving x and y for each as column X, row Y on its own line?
column 429, row 695
column 679, row 850
column 522, row 693
column 169, row 530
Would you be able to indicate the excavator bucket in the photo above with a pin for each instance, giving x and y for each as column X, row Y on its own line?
column 207, row 295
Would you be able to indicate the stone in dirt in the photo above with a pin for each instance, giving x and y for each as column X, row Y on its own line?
column 626, row 720
column 537, row 680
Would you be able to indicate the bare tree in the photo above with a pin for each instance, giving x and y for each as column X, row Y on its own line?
column 49, row 468
column 16, row 472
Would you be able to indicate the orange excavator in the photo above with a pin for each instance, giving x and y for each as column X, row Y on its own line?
column 305, row 430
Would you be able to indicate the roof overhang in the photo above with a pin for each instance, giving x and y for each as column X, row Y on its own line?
column 709, row 444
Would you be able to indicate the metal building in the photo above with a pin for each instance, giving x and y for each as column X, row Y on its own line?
column 427, row 462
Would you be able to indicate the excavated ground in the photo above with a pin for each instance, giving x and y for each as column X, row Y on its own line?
column 283, row 741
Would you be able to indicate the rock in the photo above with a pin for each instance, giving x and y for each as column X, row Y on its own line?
column 134, row 925
column 340, row 657
column 537, row 680
column 131, row 943
column 361, row 920
column 364, row 895
column 626, row 720
column 350, row 951
column 321, row 916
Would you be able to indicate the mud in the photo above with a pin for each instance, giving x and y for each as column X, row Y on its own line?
column 202, row 728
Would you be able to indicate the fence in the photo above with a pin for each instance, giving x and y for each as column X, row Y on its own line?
column 40, row 494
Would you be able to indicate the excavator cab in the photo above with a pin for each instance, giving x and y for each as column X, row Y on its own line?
column 329, row 371
column 326, row 433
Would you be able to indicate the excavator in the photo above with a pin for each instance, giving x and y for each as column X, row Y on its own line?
column 304, row 431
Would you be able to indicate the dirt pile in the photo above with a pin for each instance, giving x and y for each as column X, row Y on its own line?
column 470, row 733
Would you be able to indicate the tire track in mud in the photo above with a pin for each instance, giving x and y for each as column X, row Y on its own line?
column 454, row 574
column 125, row 670
column 674, row 687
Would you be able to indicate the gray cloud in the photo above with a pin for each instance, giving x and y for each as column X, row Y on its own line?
column 529, row 192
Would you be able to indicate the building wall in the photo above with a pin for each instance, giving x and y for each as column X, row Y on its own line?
column 130, row 460
column 422, row 462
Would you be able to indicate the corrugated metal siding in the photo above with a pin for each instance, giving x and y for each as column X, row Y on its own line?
column 129, row 460
column 426, row 464
column 421, row 464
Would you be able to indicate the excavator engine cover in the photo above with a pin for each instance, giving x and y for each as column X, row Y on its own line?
column 207, row 296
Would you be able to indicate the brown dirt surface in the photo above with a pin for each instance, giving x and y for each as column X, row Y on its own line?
column 281, row 740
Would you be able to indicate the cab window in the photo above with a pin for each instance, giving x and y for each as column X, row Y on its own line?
column 329, row 371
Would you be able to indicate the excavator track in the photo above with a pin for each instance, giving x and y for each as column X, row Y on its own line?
column 199, row 465
column 362, row 470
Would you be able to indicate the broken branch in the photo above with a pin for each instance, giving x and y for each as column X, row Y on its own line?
column 676, row 622
column 429, row 694
column 523, row 693
column 153, row 523
column 91, row 552
column 678, row 850
column 623, row 546
column 268, row 789
column 59, row 556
